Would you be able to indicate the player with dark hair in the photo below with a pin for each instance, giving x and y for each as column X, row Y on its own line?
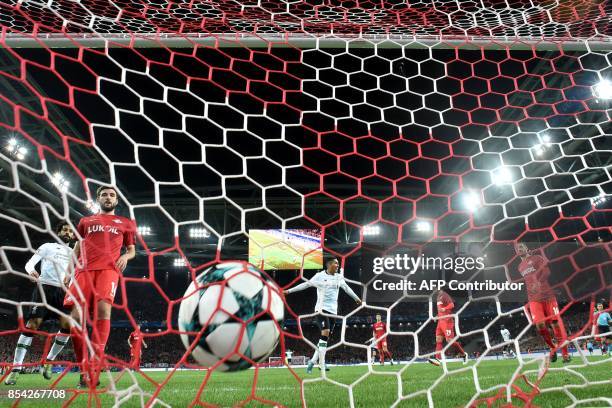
column 328, row 283
column 379, row 333
column 136, row 343
column 542, row 302
column 97, row 276
column 445, row 330
column 601, row 326
column 53, row 278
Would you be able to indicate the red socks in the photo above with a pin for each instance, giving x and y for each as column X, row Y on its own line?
column 561, row 336
column 546, row 336
column 381, row 357
column 458, row 347
column 439, row 347
column 100, row 335
column 438, row 350
column 77, row 343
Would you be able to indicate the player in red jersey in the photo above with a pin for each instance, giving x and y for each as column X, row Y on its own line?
column 379, row 331
column 542, row 302
column 97, row 276
column 136, row 342
column 445, row 330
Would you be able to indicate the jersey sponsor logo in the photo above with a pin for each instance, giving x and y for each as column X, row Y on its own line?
column 528, row 270
column 102, row 228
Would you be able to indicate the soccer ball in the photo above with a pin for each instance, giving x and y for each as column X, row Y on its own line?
column 238, row 312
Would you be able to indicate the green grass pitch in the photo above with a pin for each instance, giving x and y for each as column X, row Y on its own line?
column 378, row 389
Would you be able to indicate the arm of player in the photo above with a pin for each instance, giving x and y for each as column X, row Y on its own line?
column 345, row 287
column 446, row 307
column 77, row 250
column 69, row 273
column 33, row 261
column 30, row 266
column 301, row 286
column 126, row 257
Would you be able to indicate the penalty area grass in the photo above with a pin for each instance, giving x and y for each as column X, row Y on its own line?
column 379, row 387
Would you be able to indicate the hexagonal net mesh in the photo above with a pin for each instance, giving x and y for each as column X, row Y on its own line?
column 386, row 128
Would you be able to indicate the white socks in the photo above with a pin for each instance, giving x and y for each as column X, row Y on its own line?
column 315, row 356
column 322, row 350
column 58, row 345
column 23, row 344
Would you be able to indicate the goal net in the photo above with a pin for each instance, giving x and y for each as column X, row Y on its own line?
column 286, row 132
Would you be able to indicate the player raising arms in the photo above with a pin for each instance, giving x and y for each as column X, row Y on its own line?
column 445, row 330
column 97, row 277
column 328, row 283
column 136, row 343
column 601, row 326
column 542, row 304
column 379, row 332
column 55, row 261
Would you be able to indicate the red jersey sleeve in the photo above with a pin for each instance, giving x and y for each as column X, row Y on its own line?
column 129, row 234
column 81, row 228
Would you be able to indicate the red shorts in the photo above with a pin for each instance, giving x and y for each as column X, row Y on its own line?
column 93, row 286
column 543, row 311
column 446, row 328
column 381, row 344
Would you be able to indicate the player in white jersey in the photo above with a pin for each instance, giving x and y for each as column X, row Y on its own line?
column 507, row 350
column 328, row 283
column 288, row 356
column 50, row 291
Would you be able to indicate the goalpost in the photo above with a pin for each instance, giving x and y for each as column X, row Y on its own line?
column 388, row 126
